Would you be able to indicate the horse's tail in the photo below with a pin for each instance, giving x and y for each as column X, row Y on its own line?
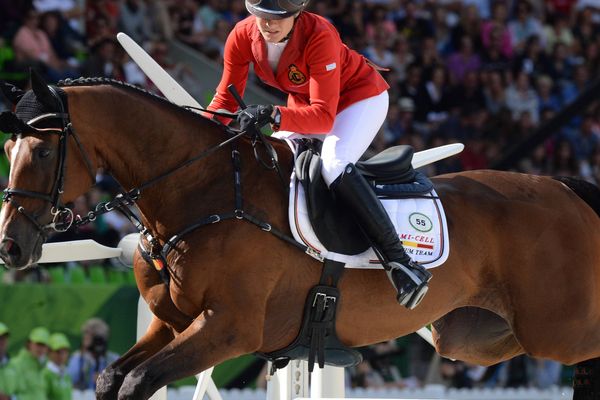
column 588, row 192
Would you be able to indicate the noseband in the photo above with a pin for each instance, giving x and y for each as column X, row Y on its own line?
column 62, row 217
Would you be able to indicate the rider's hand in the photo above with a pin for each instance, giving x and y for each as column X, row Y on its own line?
column 255, row 116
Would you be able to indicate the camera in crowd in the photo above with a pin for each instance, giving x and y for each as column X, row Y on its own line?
column 98, row 346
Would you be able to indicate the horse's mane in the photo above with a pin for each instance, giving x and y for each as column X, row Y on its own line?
column 141, row 91
column 97, row 81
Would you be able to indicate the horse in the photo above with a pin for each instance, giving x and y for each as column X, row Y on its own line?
column 522, row 275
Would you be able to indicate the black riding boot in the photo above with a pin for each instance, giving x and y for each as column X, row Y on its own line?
column 409, row 278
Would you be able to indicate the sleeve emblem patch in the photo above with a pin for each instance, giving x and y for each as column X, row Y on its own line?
column 295, row 75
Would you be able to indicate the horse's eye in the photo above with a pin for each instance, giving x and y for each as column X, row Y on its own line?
column 43, row 153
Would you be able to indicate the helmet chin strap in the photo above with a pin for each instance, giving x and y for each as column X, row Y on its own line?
column 289, row 35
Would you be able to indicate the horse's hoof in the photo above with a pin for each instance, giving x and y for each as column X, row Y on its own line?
column 108, row 384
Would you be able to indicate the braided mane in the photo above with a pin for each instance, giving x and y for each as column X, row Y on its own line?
column 113, row 82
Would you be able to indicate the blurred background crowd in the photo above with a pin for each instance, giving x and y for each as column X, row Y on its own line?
column 487, row 73
column 48, row 368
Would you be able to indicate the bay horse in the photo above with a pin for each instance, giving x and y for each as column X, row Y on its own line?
column 522, row 276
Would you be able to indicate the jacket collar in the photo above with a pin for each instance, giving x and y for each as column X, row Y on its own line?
column 290, row 53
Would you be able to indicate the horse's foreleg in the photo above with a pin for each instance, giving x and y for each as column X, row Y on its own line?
column 475, row 335
column 209, row 340
column 109, row 382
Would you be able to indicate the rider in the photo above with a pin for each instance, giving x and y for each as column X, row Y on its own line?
column 332, row 91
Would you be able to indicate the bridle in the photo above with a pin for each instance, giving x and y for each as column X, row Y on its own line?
column 64, row 219
column 62, row 216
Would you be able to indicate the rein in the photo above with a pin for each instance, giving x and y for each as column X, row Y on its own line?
column 63, row 218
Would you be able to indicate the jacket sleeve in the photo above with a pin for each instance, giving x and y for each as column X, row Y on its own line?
column 323, row 60
column 236, row 61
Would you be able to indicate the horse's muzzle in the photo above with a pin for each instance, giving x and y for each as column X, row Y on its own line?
column 14, row 256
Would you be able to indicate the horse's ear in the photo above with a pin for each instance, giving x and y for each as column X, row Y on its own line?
column 12, row 93
column 41, row 90
column 9, row 123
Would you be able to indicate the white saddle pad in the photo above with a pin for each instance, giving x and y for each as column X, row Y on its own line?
column 420, row 223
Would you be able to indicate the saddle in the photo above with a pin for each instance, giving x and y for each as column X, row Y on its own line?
column 392, row 176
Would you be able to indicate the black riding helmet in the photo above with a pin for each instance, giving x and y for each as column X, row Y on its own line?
column 275, row 9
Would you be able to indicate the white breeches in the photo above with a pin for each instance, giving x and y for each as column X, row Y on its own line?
column 353, row 131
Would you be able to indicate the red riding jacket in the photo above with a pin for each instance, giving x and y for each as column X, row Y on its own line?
column 321, row 75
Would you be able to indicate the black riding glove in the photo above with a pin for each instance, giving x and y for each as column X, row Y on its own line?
column 255, row 116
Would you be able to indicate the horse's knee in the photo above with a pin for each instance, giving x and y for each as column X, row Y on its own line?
column 108, row 384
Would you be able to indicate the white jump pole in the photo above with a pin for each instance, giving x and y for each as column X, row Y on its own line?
column 288, row 383
column 144, row 317
column 327, row 382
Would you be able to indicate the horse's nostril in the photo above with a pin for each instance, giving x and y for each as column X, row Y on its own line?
column 11, row 248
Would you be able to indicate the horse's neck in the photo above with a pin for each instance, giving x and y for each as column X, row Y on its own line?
column 137, row 139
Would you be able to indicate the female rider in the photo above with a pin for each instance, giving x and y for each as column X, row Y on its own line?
column 332, row 91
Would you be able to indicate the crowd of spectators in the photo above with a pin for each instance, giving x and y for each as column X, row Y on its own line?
column 45, row 368
column 483, row 72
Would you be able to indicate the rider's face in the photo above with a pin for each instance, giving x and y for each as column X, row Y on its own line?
column 274, row 30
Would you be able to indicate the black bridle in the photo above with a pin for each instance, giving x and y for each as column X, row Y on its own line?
column 62, row 216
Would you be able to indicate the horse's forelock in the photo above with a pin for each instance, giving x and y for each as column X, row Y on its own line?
column 29, row 107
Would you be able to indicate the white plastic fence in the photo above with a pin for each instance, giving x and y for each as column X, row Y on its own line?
column 428, row 392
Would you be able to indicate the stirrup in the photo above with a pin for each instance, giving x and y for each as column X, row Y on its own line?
column 416, row 279
column 411, row 301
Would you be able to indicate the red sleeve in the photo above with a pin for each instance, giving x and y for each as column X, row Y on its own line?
column 236, row 61
column 323, row 60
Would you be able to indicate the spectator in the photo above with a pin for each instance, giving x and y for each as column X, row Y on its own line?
column 399, row 121
column 57, row 380
column 494, row 32
column 564, row 161
column 558, row 31
column 521, row 97
column 101, row 62
column 68, row 11
column 189, row 29
column 533, row 60
column 469, row 25
column 102, row 17
column 494, row 92
column 32, row 47
column 559, row 67
column 433, row 101
column 8, row 378
column 547, row 99
column 50, row 24
column 524, row 26
column 380, row 23
column 12, row 15
column 469, row 93
column 159, row 22
column 413, row 26
column 28, row 366
column 93, row 357
column 403, row 57
column 378, row 52
column 493, row 57
column 133, row 20
column 463, row 61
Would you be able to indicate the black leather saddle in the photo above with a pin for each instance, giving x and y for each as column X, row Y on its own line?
column 391, row 174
